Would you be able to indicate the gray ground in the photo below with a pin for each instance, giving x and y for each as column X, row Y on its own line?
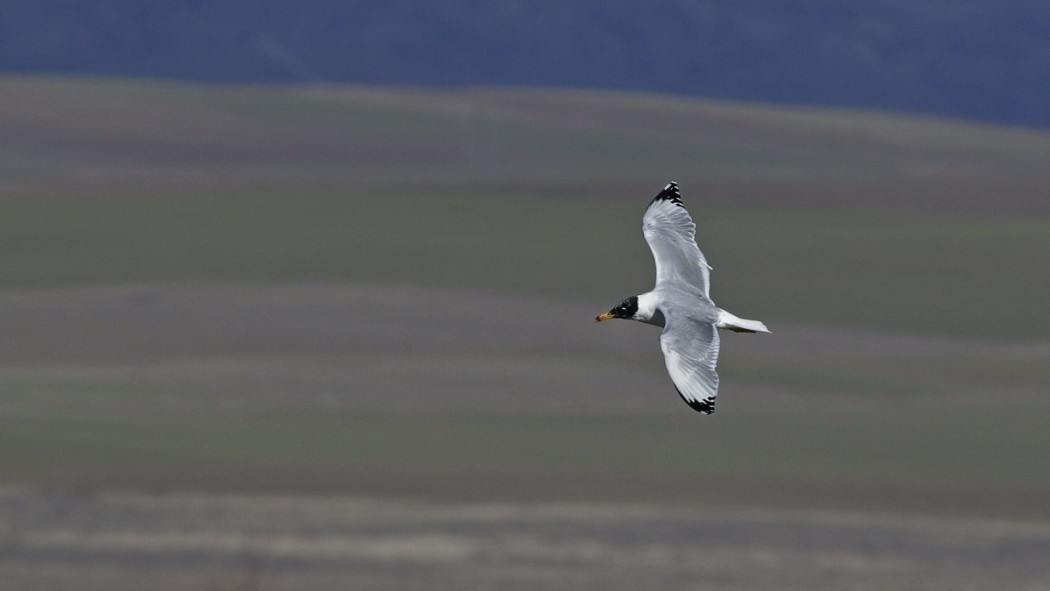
column 279, row 339
column 576, row 468
column 125, row 540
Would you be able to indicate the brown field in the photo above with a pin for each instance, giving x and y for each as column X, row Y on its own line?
column 318, row 338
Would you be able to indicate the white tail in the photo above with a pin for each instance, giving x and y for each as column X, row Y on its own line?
column 727, row 320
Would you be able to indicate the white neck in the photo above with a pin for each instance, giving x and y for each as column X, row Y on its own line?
column 647, row 311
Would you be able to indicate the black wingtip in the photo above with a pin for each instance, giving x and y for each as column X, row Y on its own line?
column 669, row 193
column 705, row 406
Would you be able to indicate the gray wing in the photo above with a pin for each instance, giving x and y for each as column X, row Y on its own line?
column 671, row 235
column 690, row 349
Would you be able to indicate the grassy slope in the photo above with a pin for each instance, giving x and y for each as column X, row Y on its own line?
column 952, row 274
column 867, row 226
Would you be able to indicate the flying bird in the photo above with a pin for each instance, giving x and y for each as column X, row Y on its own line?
column 681, row 302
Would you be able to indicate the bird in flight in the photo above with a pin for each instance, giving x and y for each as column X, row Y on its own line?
column 681, row 302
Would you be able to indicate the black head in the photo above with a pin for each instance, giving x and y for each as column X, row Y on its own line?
column 625, row 309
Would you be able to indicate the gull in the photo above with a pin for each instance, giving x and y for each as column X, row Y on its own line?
column 681, row 302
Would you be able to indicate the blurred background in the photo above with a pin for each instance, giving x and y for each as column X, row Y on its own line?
column 301, row 295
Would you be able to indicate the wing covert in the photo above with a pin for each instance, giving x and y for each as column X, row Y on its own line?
column 671, row 235
column 690, row 349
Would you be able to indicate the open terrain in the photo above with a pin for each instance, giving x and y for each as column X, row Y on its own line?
column 192, row 541
column 275, row 338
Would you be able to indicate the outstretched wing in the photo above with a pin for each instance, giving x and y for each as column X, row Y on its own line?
column 671, row 235
column 690, row 349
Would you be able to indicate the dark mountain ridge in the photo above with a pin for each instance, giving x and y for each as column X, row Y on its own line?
column 970, row 59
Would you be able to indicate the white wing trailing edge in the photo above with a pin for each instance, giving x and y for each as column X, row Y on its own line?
column 690, row 349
